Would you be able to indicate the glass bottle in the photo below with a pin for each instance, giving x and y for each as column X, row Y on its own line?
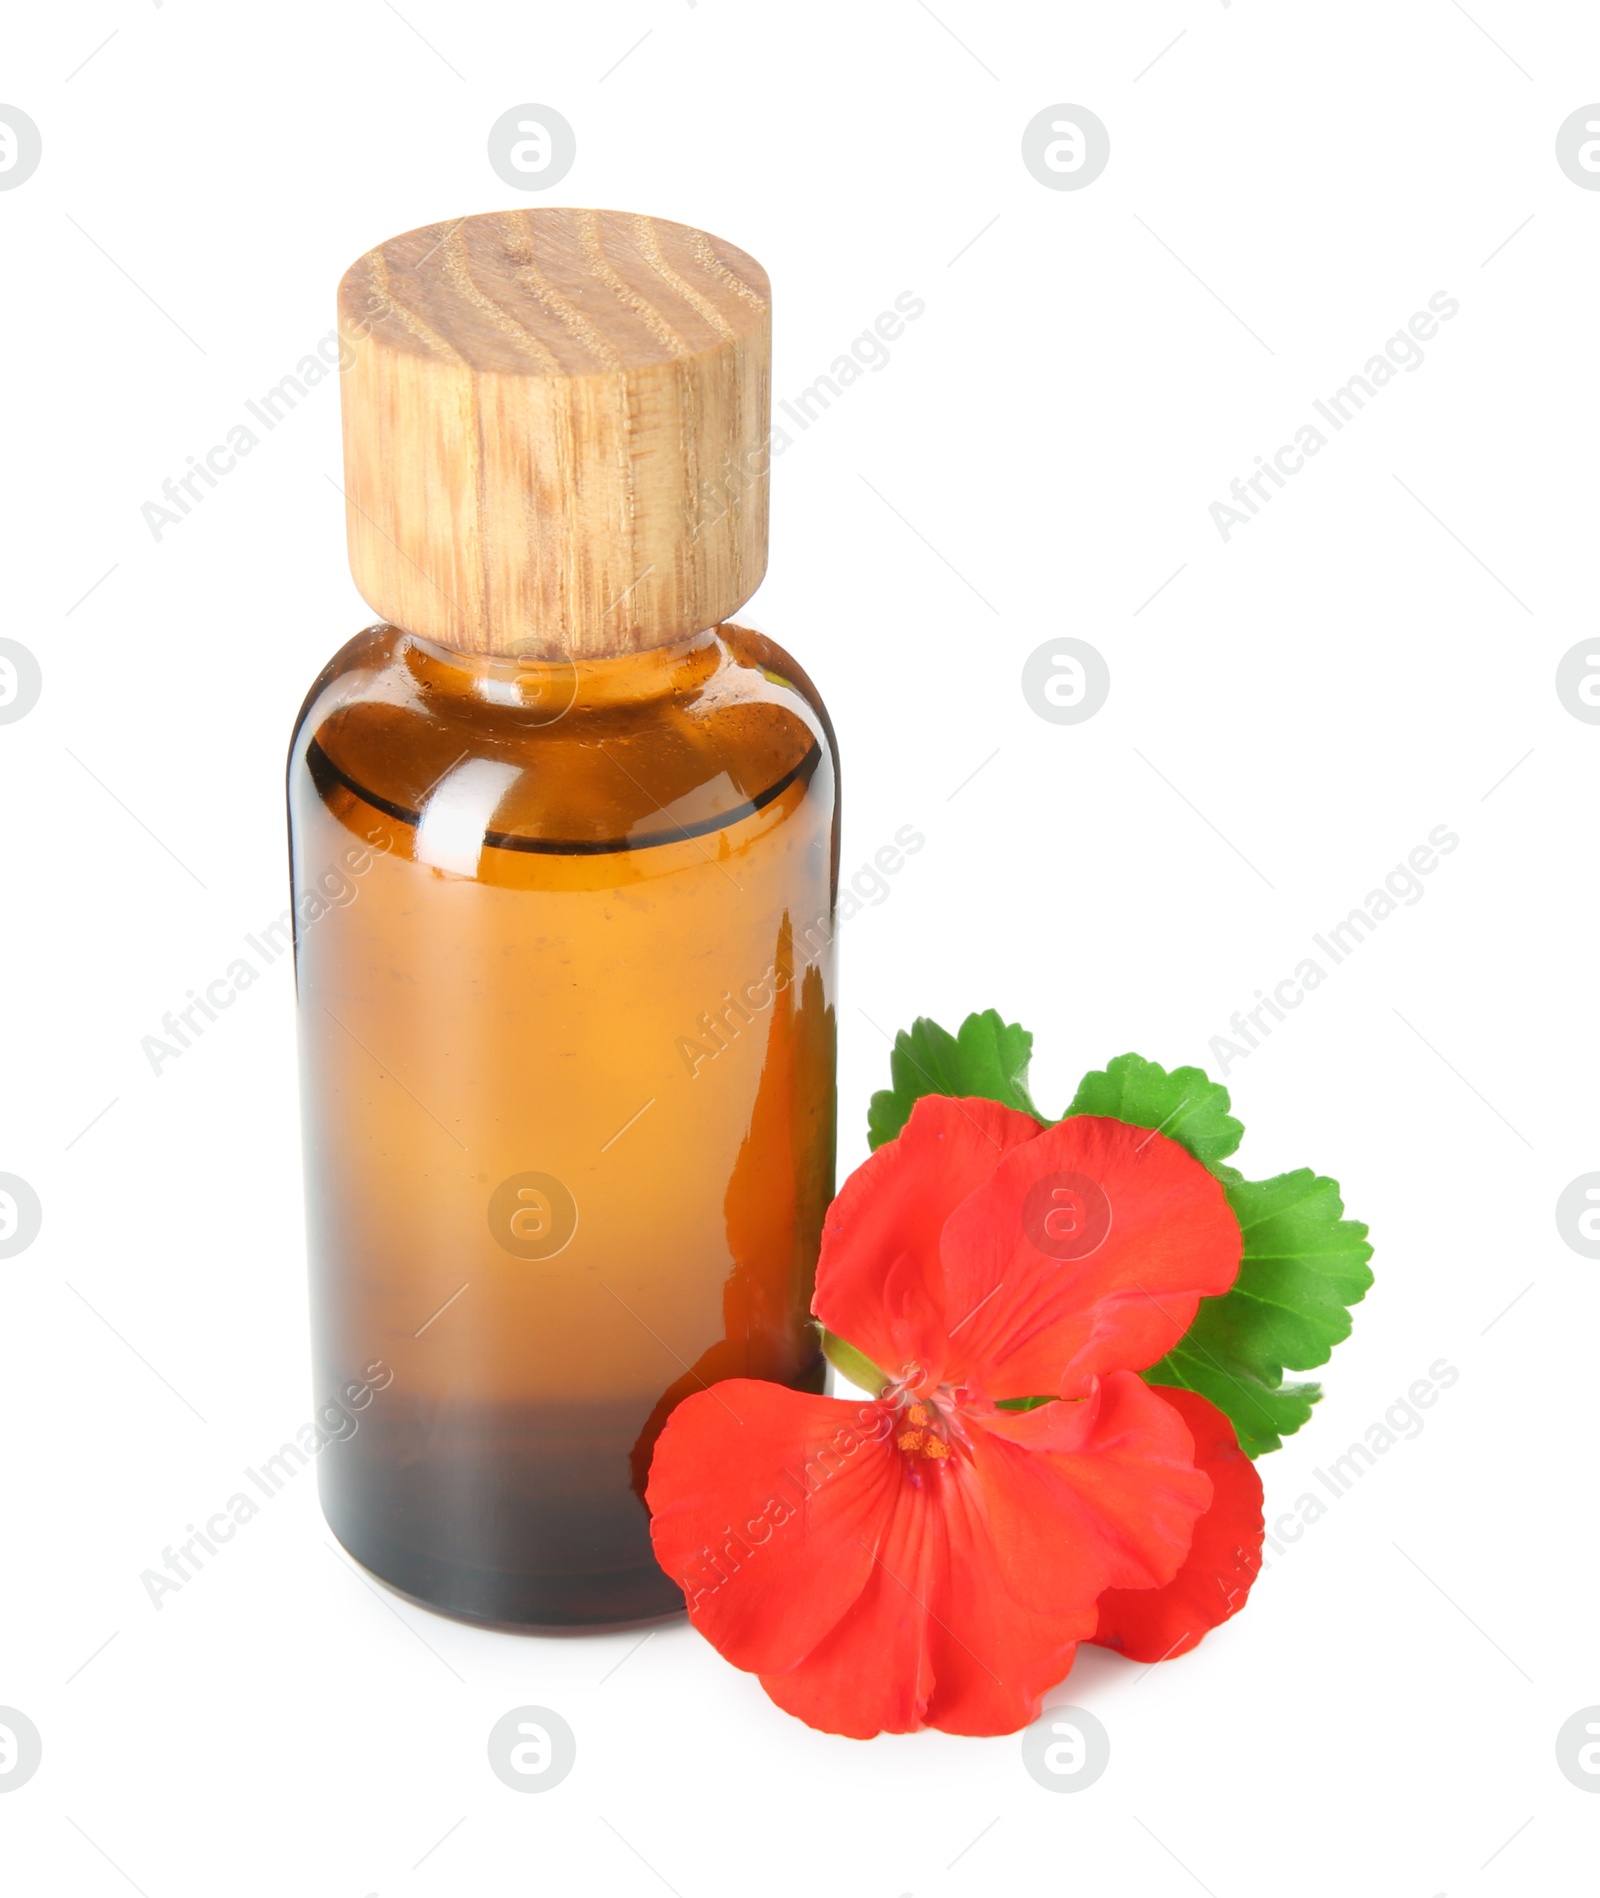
column 564, row 895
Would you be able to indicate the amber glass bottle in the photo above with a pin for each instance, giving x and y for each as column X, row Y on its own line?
column 564, row 869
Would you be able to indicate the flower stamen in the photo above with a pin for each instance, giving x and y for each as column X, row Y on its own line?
column 928, row 1423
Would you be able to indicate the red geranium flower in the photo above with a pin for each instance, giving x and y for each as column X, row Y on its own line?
column 926, row 1558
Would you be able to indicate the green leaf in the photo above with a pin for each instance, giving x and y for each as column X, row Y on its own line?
column 1304, row 1265
column 1185, row 1105
column 1261, row 1414
column 985, row 1057
column 851, row 1363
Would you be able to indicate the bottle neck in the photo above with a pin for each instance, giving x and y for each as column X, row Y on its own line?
column 549, row 687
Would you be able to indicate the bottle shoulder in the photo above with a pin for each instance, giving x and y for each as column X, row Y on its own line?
column 668, row 743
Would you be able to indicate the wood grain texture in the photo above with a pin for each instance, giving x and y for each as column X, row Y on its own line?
column 556, row 430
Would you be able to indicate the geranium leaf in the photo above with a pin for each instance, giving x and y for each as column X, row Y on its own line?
column 986, row 1057
column 1262, row 1414
column 1304, row 1265
column 1185, row 1105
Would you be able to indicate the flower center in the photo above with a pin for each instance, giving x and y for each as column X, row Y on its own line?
column 928, row 1426
column 921, row 1432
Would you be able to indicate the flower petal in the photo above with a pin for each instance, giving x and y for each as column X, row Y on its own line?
column 1153, row 1624
column 1028, row 1315
column 880, row 1283
column 1115, row 1475
column 991, row 1564
column 766, row 1508
column 1064, row 1495
column 873, row 1673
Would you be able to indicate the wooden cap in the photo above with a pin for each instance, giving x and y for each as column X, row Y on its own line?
column 556, row 429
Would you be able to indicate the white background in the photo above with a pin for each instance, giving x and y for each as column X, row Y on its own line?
column 1289, row 716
